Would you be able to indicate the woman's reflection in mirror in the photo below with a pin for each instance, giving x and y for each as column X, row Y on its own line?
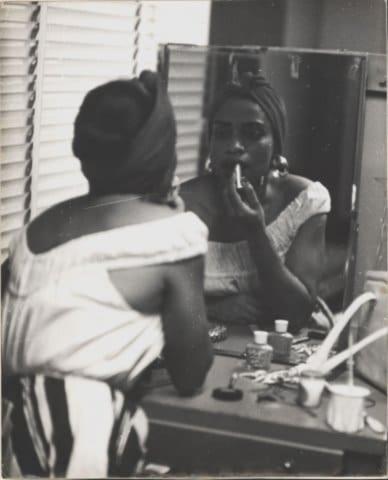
column 267, row 239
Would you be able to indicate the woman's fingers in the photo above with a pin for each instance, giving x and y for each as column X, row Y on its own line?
column 228, row 203
column 250, row 195
column 240, row 206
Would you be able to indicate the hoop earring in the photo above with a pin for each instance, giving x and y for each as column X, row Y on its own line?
column 279, row 166
column 208, row 166
column 172, row 196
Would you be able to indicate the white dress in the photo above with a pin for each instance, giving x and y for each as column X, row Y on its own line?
column 66, row 330
column 232, row 280
column 62, row 314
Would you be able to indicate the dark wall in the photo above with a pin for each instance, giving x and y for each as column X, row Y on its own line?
column 356, row 25
column 247, row 22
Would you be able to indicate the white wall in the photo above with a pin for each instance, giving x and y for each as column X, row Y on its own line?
column 183, row 21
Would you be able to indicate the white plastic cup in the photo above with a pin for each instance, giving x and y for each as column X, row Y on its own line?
column 346, row 408
column 311, row 385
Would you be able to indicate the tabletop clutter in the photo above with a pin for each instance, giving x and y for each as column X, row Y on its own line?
column 346, row 407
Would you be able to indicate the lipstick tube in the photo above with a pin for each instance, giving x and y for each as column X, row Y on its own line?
column 237, row 170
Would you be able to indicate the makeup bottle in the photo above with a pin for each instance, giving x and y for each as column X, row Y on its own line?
column 281, row 341
column 259, row 354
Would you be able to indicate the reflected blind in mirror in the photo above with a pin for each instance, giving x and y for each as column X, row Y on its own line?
column 186, row 77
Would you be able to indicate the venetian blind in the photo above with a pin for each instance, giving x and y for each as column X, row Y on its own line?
column 186, row 76
column 19, row 24
column 85, row 44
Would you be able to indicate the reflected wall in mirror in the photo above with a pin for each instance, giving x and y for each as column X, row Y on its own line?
column 323, row 93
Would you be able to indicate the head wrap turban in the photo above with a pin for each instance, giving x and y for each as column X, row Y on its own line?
column 257, row 88
column 127, row 154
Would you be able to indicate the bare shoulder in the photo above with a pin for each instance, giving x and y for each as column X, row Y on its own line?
column 196, row 188
column 80, row 216
column 199, row 196
column 294, row 185
column 289, row 187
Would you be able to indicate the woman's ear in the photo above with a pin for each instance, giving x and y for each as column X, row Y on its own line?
column 149, row 80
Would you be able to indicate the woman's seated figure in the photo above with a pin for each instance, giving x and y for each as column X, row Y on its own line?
column 267, row 238
column 100, row 286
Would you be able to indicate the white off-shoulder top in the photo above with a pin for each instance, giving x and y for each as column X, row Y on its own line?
column 230, row 269
column 62, row 314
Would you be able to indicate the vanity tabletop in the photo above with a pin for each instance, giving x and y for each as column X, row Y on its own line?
column 282, row 420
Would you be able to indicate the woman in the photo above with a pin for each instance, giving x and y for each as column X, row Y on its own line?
column 100, row 286
column 266, row 239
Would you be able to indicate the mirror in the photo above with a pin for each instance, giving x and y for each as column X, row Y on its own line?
column 324, row 97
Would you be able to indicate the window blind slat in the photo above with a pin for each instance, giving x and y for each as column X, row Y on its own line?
column 11, row 222
column 187, row 100
column 63, row 116
column 13, row 205
column 13, row 188
column 18, row 47
column 54, row 182
column 56, row 50
column 187, row 143
column 84, row 68
column 13, row 171
column 190, row 128
column 14, row 67
column 54, row 149
column 15, row 49
column 20, row 13
column 72, row 84
column 14, row 153
column 185, row 115
column 15, row 119
column 185, row 85
column 16, row 84
column 193, row 72
column 186, row 77
column 87, row 44
column 53, row 100
column 15, row 136
column 62, row 16
column 59, row 165
column 51, row 197
column 15, row 101
column 187, row 157
column 112, row 8
column 15, row 31
column 87, row 36
column 56, row 132
column 192, row 56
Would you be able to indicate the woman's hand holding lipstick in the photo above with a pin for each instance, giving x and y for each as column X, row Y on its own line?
column 243, row 202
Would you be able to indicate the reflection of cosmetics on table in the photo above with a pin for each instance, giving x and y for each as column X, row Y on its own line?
column 280, row 340
column 217, row 333
column 259, row 354
column 237, row 170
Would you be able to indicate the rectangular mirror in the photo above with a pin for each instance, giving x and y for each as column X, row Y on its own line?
column 324, row 94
